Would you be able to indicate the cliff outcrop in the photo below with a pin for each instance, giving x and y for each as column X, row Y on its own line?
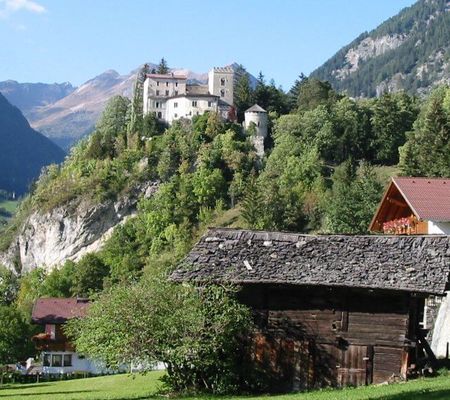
column 68, row 232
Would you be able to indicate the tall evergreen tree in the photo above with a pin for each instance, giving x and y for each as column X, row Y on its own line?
column 163, row 67
column 427, row 150
column 243, row 93
column 137, row 105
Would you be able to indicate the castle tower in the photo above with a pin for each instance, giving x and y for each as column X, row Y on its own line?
column 221, row 83
column 256, row 118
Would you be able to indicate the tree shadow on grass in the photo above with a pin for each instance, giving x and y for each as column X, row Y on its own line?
column 20, row 395
column 21, row 386
column 420, row 394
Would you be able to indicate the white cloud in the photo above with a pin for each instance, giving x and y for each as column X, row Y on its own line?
column 8, row 7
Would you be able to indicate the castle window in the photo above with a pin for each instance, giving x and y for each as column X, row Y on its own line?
column 167, row 92
column 160, row 115
column 157, row 92
column 157, row 83
column 157, row 104
column 176, row 115
column 167, row 83
column 176, row 92
column 194, row 103
column 176, row 84
column 222, row 93
column 209, row 103
column 222, row 81
column 175, row 105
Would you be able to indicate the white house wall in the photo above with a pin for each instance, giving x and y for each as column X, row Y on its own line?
column 182, row 107
column 78, row 365
column 440, row 342
column 438, row 228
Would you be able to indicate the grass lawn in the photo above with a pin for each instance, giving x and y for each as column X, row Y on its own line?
column 126, row 387
column 9, row 206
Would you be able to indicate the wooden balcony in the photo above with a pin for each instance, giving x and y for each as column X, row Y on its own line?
column 405, row 226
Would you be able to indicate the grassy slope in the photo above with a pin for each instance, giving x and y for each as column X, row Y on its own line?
column 125, row 387
column 8, row 205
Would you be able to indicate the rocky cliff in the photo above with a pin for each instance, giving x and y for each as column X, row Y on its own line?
column 409, row 51
column 70, row 231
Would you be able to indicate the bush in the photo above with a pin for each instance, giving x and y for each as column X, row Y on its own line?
column 197, row 331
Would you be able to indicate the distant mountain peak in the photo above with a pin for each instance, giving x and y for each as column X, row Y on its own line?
column 409, row 52
column 23, row 151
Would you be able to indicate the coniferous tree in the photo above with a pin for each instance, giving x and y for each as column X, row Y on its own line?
column 137, row 105
column 294, row 91
column 243, row 93
column 427, row 150
column 252, row 204
column 163, row 67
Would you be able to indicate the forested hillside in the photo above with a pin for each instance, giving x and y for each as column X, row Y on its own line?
column 327, row 161
column 23, row 151
column 410, row 51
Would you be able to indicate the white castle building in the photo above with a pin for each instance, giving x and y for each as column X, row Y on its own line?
column 171, row 97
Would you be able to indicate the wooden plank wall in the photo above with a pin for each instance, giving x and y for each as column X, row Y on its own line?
column 310, row 337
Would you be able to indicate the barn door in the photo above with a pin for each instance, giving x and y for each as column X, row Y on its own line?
column 355, row 367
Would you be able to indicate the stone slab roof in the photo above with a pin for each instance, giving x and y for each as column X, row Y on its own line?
column 58, row 310
column 401, row 263
column 197, row 89
column 255, row 108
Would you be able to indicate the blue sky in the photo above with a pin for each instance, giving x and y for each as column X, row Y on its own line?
column 75, row 40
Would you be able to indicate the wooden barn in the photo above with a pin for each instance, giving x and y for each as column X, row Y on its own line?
column 329, row 310
column 414, row 206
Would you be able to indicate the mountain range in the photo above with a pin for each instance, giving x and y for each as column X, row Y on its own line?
column 65, row 113
column 410, row 51
column 23, row 151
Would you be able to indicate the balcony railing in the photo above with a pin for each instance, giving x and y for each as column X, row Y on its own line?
column 402, row 226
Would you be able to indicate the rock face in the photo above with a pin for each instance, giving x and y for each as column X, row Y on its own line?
column 49, row 239
column 368, row 48
column 409, row 51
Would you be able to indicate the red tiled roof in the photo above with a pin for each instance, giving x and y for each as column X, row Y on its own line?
column 429, row 198
column 58, row 310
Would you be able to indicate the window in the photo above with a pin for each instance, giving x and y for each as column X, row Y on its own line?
column 222, row 93
column 160, row 115
column 157, row 104
column 175, row 105
column 210, row 104
column 176, row 84
column 46, row 360
column 194, row 103
column 167, row 84
column 157, row 83
column 157, row 92
column 176, row 92
column 167, row 92
column 56, row 360
column 222, row 81
column 176, row 115
column 67, row 360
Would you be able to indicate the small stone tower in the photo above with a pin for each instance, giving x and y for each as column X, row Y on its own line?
column 256, row 117
column 221, row 83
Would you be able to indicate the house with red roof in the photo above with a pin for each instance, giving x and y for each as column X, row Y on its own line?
column 414, row 206
column 58, row 354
